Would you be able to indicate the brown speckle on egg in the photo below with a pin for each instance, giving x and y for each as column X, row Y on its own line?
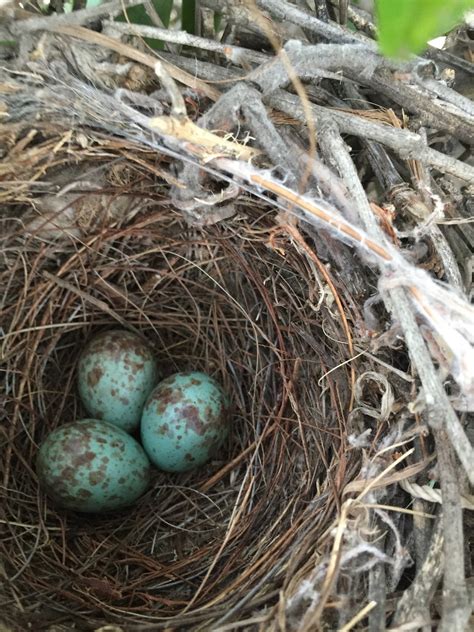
column 96, row 477
column 94, row 376
column 67, row 473
column 83, row 458
column 192, row 420
column 164, row 429
column 84, row 493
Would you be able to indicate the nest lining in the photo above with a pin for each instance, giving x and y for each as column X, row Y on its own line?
column 229, row 300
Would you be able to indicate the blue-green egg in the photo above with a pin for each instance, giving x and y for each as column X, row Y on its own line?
column 92, row 466
column 185, row 421
column 116, row 373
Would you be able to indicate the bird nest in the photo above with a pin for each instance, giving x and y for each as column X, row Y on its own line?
column 114, row 215
column 245, row 303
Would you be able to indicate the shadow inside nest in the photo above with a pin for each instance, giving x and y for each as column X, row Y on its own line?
column 211, row 545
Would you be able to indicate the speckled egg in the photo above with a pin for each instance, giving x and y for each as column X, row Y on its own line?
column 184, row 421
column 116, row 373
column 92, row 466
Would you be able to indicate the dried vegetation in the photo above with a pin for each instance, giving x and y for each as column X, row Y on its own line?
column 170, row 204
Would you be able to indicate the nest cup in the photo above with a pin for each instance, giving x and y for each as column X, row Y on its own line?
column 205, row 549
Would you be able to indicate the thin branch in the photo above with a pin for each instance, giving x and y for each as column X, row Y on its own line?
column 416, row 599
column 178, row 106
column 241, row 14
column 433, row 87
column 236, row 54
column 351, row 60
column 445, row 57
column 75, row 18
column 204, row 69
column 390, row 179
column 356, row 62
column 432, row 112
column 456, row 603
column 334, row 33
column 407, row 144
column 137, row 55
column 377, row 594
column 361, row 22
column 440, row 410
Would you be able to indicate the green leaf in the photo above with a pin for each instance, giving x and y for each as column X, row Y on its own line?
column 217, row 21
column 138, row 15
column 405, row 26
column 188, row 16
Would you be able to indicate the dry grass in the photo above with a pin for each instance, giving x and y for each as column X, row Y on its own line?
column 238, row 300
